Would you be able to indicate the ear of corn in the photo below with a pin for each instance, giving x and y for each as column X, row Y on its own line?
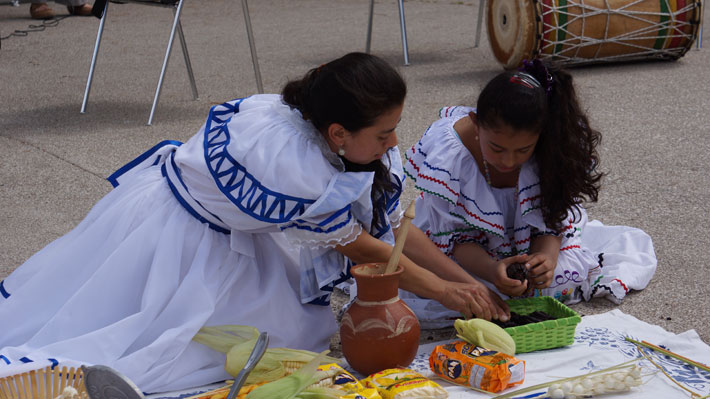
column 290, row 386
column 485, row 334
column 320, row 393
column 238, row 341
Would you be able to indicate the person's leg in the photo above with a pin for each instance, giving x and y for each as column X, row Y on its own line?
column 77, row 7
column 40, row 10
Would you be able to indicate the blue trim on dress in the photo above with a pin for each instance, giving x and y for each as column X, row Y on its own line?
column 113, row 179
column 324, row 300
column 317, row 229
column 176, row 170
column 335, row 215
column 3, row 292
column 252, row 201
column 527, row 187
column 385, row 206
column 187, row 206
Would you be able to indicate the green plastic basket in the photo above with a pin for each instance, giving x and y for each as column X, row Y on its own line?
column 545, row 334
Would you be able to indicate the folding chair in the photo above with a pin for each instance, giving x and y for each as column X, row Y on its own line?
column 403, row 27
column 100, row 10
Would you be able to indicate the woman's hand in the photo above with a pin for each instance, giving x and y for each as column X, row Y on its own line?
column 541, row 270
column 506, row 285
column 473, row 300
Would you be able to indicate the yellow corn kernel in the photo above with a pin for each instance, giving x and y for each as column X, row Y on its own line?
column 291, row 366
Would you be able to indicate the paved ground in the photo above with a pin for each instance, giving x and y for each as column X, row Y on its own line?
column 53, row 160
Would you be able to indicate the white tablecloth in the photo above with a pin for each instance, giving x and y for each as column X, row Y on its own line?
column 599, row 343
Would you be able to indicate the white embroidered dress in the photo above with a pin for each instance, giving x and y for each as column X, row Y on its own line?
column 457, row 205
column 236, row 226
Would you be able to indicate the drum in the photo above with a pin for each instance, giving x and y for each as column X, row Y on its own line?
column 575, row 32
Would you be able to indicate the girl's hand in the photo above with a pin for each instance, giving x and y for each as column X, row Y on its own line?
column 505, row 284
column 541, row 270
column 474, row 300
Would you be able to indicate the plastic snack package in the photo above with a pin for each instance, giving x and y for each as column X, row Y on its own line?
column 466, row 364
column 366, row 393
column 340, row 378
column 400, row 383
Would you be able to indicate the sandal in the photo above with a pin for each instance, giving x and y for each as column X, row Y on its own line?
column 41, row 11
column 83, row 10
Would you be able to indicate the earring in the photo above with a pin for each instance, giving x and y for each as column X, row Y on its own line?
column 341, row 151
column 476, row 137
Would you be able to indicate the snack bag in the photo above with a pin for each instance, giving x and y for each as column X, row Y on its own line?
column 399, row 383
column 366, row 393
column 466, row 364
column 341, row 379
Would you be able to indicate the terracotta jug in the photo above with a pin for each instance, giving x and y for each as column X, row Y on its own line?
column 378, row 331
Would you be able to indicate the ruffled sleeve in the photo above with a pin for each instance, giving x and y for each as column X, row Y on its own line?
column 258, row 166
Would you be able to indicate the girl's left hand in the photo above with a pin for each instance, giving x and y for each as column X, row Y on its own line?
column 541, row 270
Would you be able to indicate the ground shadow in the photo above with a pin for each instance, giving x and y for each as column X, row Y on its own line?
column 113, row 114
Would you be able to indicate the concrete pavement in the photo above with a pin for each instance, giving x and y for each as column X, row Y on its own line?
column 53, row 160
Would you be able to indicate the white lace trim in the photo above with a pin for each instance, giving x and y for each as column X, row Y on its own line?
column 343, row 236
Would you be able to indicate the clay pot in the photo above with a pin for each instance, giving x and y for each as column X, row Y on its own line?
column 378, row 331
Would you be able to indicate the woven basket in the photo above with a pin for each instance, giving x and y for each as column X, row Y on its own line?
column 545, row 334
column 42, row 384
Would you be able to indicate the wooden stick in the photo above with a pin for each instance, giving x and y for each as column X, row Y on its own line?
column 669, row 353
column 401, row 237
column 692, row 394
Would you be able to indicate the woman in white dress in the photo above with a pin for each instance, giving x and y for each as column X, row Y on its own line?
column 503, row 183
column 253, row 221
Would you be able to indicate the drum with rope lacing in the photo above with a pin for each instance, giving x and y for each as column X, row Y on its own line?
column 575, row 32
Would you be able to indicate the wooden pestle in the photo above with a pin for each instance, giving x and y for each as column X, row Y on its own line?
column 401, row 237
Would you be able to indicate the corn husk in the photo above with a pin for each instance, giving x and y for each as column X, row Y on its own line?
column 290, row 386
column 320, row 393
column 237, row 342
column 485, row 334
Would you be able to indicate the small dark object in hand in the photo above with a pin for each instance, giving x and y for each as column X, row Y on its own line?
column 519, row 320
column 517, row 271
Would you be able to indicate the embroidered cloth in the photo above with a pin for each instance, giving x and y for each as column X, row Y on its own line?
column 599, row 343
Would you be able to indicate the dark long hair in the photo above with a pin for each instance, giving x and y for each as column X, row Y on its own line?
column 566, row 152
column 353, row 91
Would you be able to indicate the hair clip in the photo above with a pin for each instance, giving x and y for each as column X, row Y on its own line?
column 525, row 79
column 538, row 68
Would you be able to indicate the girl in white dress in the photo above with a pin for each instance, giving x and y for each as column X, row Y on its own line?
column 253, row 221
column 504, row 183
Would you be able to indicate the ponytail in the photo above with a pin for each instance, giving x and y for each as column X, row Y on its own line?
column 566, row 154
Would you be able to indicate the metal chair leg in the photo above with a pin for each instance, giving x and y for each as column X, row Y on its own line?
column 188, row 64
column 252, row 47
column 481, row 10
column 165, row 62
column 93, row 60
column 369, row 27
column 402, row 25
column 700, row 30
